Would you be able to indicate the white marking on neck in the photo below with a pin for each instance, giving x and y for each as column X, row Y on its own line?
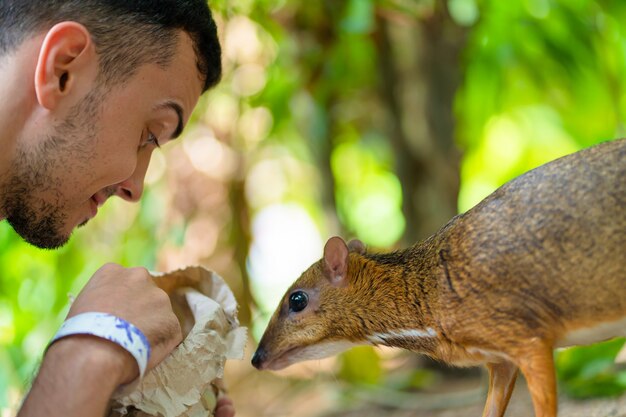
column 402, row 334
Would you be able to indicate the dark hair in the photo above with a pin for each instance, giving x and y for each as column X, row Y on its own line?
column 126, row 33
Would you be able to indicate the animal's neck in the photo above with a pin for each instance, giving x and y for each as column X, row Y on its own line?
column 401, row 286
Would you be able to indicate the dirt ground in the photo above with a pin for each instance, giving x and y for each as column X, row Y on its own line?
column 520, row 406
column 312, row 389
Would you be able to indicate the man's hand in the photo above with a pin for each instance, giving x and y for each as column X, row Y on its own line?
column 130, row 294
column 224, row 407
column 79, row 373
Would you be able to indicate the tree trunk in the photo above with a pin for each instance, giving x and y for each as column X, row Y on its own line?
column 420, row 69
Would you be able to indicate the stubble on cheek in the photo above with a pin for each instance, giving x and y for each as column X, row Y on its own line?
column 46, row 188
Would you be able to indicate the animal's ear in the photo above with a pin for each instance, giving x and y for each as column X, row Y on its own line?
column 357, row 246
column 336, row 261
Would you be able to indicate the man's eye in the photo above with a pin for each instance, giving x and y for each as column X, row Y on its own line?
column 149, row 139
column 152, row 139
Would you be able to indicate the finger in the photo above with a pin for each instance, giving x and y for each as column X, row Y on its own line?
column 224, row 401
column 224, row 409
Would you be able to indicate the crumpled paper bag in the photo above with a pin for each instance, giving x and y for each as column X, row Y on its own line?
column 186, row 383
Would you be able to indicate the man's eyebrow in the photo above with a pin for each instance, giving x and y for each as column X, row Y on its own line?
column 179, row 112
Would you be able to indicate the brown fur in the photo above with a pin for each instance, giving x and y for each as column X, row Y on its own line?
column 542, row 256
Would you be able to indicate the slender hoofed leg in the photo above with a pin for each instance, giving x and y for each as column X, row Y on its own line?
column 537, row 364
column 502, row 377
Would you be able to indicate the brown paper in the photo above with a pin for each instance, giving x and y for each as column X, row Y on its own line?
column 185, row 383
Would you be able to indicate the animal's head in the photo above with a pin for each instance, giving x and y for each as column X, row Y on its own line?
column 316, row 316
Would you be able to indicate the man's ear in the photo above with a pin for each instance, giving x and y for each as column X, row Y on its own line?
column 336, row 261
column 67, row 54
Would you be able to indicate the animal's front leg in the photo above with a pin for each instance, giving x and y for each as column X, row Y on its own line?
column 502, row 377
column 536, row 362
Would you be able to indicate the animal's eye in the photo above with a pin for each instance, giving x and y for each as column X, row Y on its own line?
column 298, row 301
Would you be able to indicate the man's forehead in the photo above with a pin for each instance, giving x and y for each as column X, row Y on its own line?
column 180, row 84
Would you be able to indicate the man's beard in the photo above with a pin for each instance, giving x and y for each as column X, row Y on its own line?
column 35, row 173
column 38, row 222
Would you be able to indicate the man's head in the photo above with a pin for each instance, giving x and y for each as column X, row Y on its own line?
column 94, row 86
column 126, row 33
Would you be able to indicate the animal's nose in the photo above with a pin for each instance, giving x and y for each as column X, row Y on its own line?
column 259, row 357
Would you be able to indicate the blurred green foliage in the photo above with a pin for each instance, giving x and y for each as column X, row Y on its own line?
column 590, row 371
column 543, row 79
column 351, row 366
column 369, row 195
column 297, row 116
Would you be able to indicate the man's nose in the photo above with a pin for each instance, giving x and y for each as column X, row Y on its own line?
column 131, row 188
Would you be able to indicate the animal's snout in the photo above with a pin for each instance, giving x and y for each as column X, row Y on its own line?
column 259, row 358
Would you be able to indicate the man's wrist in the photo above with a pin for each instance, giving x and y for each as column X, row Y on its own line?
column 111, row 328
column 95, row 355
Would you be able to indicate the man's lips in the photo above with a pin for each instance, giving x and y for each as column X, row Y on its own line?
column 96, row 201
column 99, row 199
column 93, row 203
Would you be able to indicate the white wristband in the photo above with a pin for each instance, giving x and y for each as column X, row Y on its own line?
column 112, row 328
